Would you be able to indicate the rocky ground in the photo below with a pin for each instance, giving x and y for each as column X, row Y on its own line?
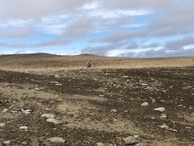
column 96, row 106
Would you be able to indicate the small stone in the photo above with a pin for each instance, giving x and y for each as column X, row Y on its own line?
column 23, row 128
column 5, row 110
column 160, row 109
column 13, row 111
column 125, row 76
column 2, row 125
column 48, row 115
column 153, row 100
column 99, row 144
column 95, row 79
column 136, row 136
column 59, row 84
column 24, row 143
column 52, row 120
column 153, row 118
column 163, row 116
column 7, row 142
column 189, row 128
column 26, row 112
column 145, row 104
column 106, row 144
column 114, row 110
column 130, row 140
column 56, row 140
column 164, row 126
column 101, row 95
column 37, row 89
column 57, row 76
column 171, row 129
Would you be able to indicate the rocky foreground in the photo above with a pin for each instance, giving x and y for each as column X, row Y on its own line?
column 98, row 107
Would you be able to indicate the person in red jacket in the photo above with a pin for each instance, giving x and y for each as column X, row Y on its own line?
column 88, row 64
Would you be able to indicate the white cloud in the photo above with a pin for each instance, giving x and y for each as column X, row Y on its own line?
column 15, row 23
column 18, row 33
column 116, row 52
column 36, row 9
column 117, row 13
column 91, row 5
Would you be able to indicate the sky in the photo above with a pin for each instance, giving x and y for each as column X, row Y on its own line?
column 115, row 28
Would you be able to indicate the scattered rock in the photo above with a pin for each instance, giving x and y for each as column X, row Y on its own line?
column 2, row 125
column 48, row 115
column 171, row 129
column 56, row 140
column 114, row 110
column 105, row 144
column 130, row 140
column 163, row 116
column 125, row 76
column 24, row 143
column 187, row 87
column 188, row 128
column 153, row 100
column 164, row 126
column 95, row 79
column 5, row 110
column 7, row 142
column 136, row 136
column 26, row 112
column 99, row 144
column 59, row 84
column 57, row 76
column 52, row 120
column 153, row 118
column 37, row 89
column 160, row 109
column 23, row 128
column 145, row 104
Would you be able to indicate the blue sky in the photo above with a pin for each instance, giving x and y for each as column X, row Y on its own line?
column 122, row 28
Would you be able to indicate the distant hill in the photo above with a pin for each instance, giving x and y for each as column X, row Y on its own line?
column 27, row 55
column 44, row 61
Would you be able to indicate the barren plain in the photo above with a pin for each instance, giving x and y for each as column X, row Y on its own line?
column 50, row 100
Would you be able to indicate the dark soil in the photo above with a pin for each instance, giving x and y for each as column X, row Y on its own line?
column 124, row 89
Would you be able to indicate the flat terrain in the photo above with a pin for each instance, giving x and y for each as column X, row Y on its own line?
column 49, row 100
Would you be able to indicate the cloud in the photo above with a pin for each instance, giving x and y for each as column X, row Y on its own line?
column 23, row 9
column 137, row 4
column 177, row 19
column 152, row 45
column 78, row 28
column 117, row 37
column 179, row 43
column 130, row 28
column 117, row 13
column 15, row 23
column 91, row 5
column 19, row 33
column 12, row 45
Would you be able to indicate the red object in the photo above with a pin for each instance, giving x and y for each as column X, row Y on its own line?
column 88, row 65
